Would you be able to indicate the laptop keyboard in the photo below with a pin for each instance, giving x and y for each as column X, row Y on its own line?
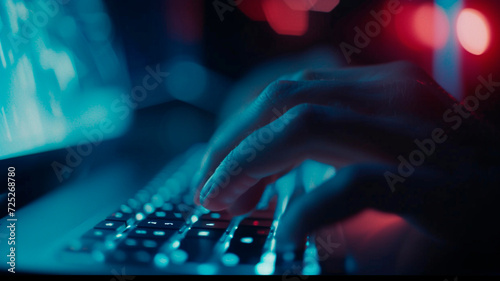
column 162, row 227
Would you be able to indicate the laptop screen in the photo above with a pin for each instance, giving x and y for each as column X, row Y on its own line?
column 60, row 76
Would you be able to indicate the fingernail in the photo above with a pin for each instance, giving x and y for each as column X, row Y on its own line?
column 205, row 191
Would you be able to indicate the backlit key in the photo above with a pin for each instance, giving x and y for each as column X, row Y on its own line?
column 157, row 223
column 111, row 225
column 211, row 224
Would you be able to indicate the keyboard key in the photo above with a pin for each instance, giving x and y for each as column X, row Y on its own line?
column 99, row 234
column 205, row 233
column 111, row 225
column 137, row 250
column 256, row 222
column 198, row 250
column 156, row 223
column 127, row 218
column 211, row 224
column 167, row 215
column 252, row 231
column 223, row 216
column 247, row 245
column 160, row 234
column 130, row 246
column 130, row 242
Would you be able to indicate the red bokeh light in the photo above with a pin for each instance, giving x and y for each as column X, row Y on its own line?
column 431, row 26
column 423, row 27
column 285, row 20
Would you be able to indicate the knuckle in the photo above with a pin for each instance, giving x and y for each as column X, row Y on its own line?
column 306, row 115
column 277, row 91
column 307, row 74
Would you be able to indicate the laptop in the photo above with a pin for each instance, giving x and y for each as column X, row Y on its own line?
column 80, row 199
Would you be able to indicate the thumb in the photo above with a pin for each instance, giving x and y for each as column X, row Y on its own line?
column 353, row 189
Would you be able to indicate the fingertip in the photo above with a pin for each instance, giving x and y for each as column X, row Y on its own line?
column 247, row 201
column 291, row 232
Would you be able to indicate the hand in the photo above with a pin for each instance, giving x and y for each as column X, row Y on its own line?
column 401, row 145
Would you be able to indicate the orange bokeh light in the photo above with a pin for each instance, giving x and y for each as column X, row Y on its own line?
column 473, row 31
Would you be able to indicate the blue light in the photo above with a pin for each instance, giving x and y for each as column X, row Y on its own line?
column 269, row 257
column 263, row 268
column 207, row 269
column 179, row 256
column 311, row 269
column 230, row 259
column 266, row 266
column 161, row 260
column 159, row 233
column 160, row 214
column 149, row 208
column 176, row 244
column 139, row 216
column 203, row 233
column 194, row 218
column 246, row 240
